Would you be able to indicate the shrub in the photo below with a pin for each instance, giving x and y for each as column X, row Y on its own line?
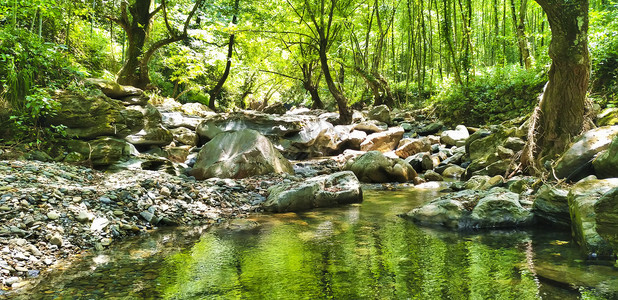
column 604, row 52
column 495, row 96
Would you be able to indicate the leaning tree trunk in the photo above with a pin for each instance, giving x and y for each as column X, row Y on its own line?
column 561, row 113
column 345, row 117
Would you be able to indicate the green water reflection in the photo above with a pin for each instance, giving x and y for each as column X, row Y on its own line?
column 357, row 252
column 360, row 251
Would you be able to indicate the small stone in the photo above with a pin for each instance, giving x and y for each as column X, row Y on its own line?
column 9, row 281
column 105, row 200
column 56, row 239
column 99, row 224
column 84, row 216
column 21, row 269
column 106, row 242
column 48, row 261
column 77, row 199
column 165, row 191
column 4, row 208
column 52, row 215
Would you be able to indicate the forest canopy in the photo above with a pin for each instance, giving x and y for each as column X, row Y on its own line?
column 474, row 61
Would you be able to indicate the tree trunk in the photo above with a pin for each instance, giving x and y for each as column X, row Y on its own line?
column 137, row 33
column 560, row 115
column 216, row 91
column 345, row 117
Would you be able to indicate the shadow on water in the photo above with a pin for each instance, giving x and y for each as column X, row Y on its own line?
column 361, row 251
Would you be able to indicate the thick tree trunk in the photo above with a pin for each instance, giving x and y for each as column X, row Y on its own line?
column 562, row 109
column 137, row 33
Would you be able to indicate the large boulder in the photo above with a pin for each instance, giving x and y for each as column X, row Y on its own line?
column 322, row 191
column 499, row 210
column 239, row 154
column 576, row 162
column 606, row 210
column 103, row 151
column 582, row 198
column 373, row 166
column 455, row 137
column 88, row 117
column 551, row 206
column 153, row 132
column 383, row 141
column 380, row 113
column 496, row 208
column 606, row 164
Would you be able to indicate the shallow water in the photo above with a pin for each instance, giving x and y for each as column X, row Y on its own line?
column 361, row 251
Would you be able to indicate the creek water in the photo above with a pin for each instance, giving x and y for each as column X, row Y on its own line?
column 361, row 251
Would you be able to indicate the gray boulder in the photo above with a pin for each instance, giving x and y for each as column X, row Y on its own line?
column 373, row 166
column 239, row 154
column 551, row 206
column 380, row 113
column 322, row 191
column 576, row 162
column 103, row 151
column 496, row 208
column 153, row 132
column 185, row 136
column 455, row 137
column 499, row 210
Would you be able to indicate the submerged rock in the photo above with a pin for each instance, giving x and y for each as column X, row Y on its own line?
column 322, row 191
column 496, row 208
column 238, row 155
column 582, row 198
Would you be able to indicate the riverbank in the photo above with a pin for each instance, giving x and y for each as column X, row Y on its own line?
column 50, row 212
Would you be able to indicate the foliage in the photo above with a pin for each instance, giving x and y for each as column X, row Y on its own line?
column 28, row 64
column 604, row 48
column 497, row 95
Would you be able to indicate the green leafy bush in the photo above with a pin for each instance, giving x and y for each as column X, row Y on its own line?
column 495, row 96
column 604, row 52
column 27, row 64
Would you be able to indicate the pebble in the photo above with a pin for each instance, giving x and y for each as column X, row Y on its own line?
column 71, row 208
column 56, row 240
column 52, row 215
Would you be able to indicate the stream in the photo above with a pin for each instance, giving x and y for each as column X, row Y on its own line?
column 362, row 251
